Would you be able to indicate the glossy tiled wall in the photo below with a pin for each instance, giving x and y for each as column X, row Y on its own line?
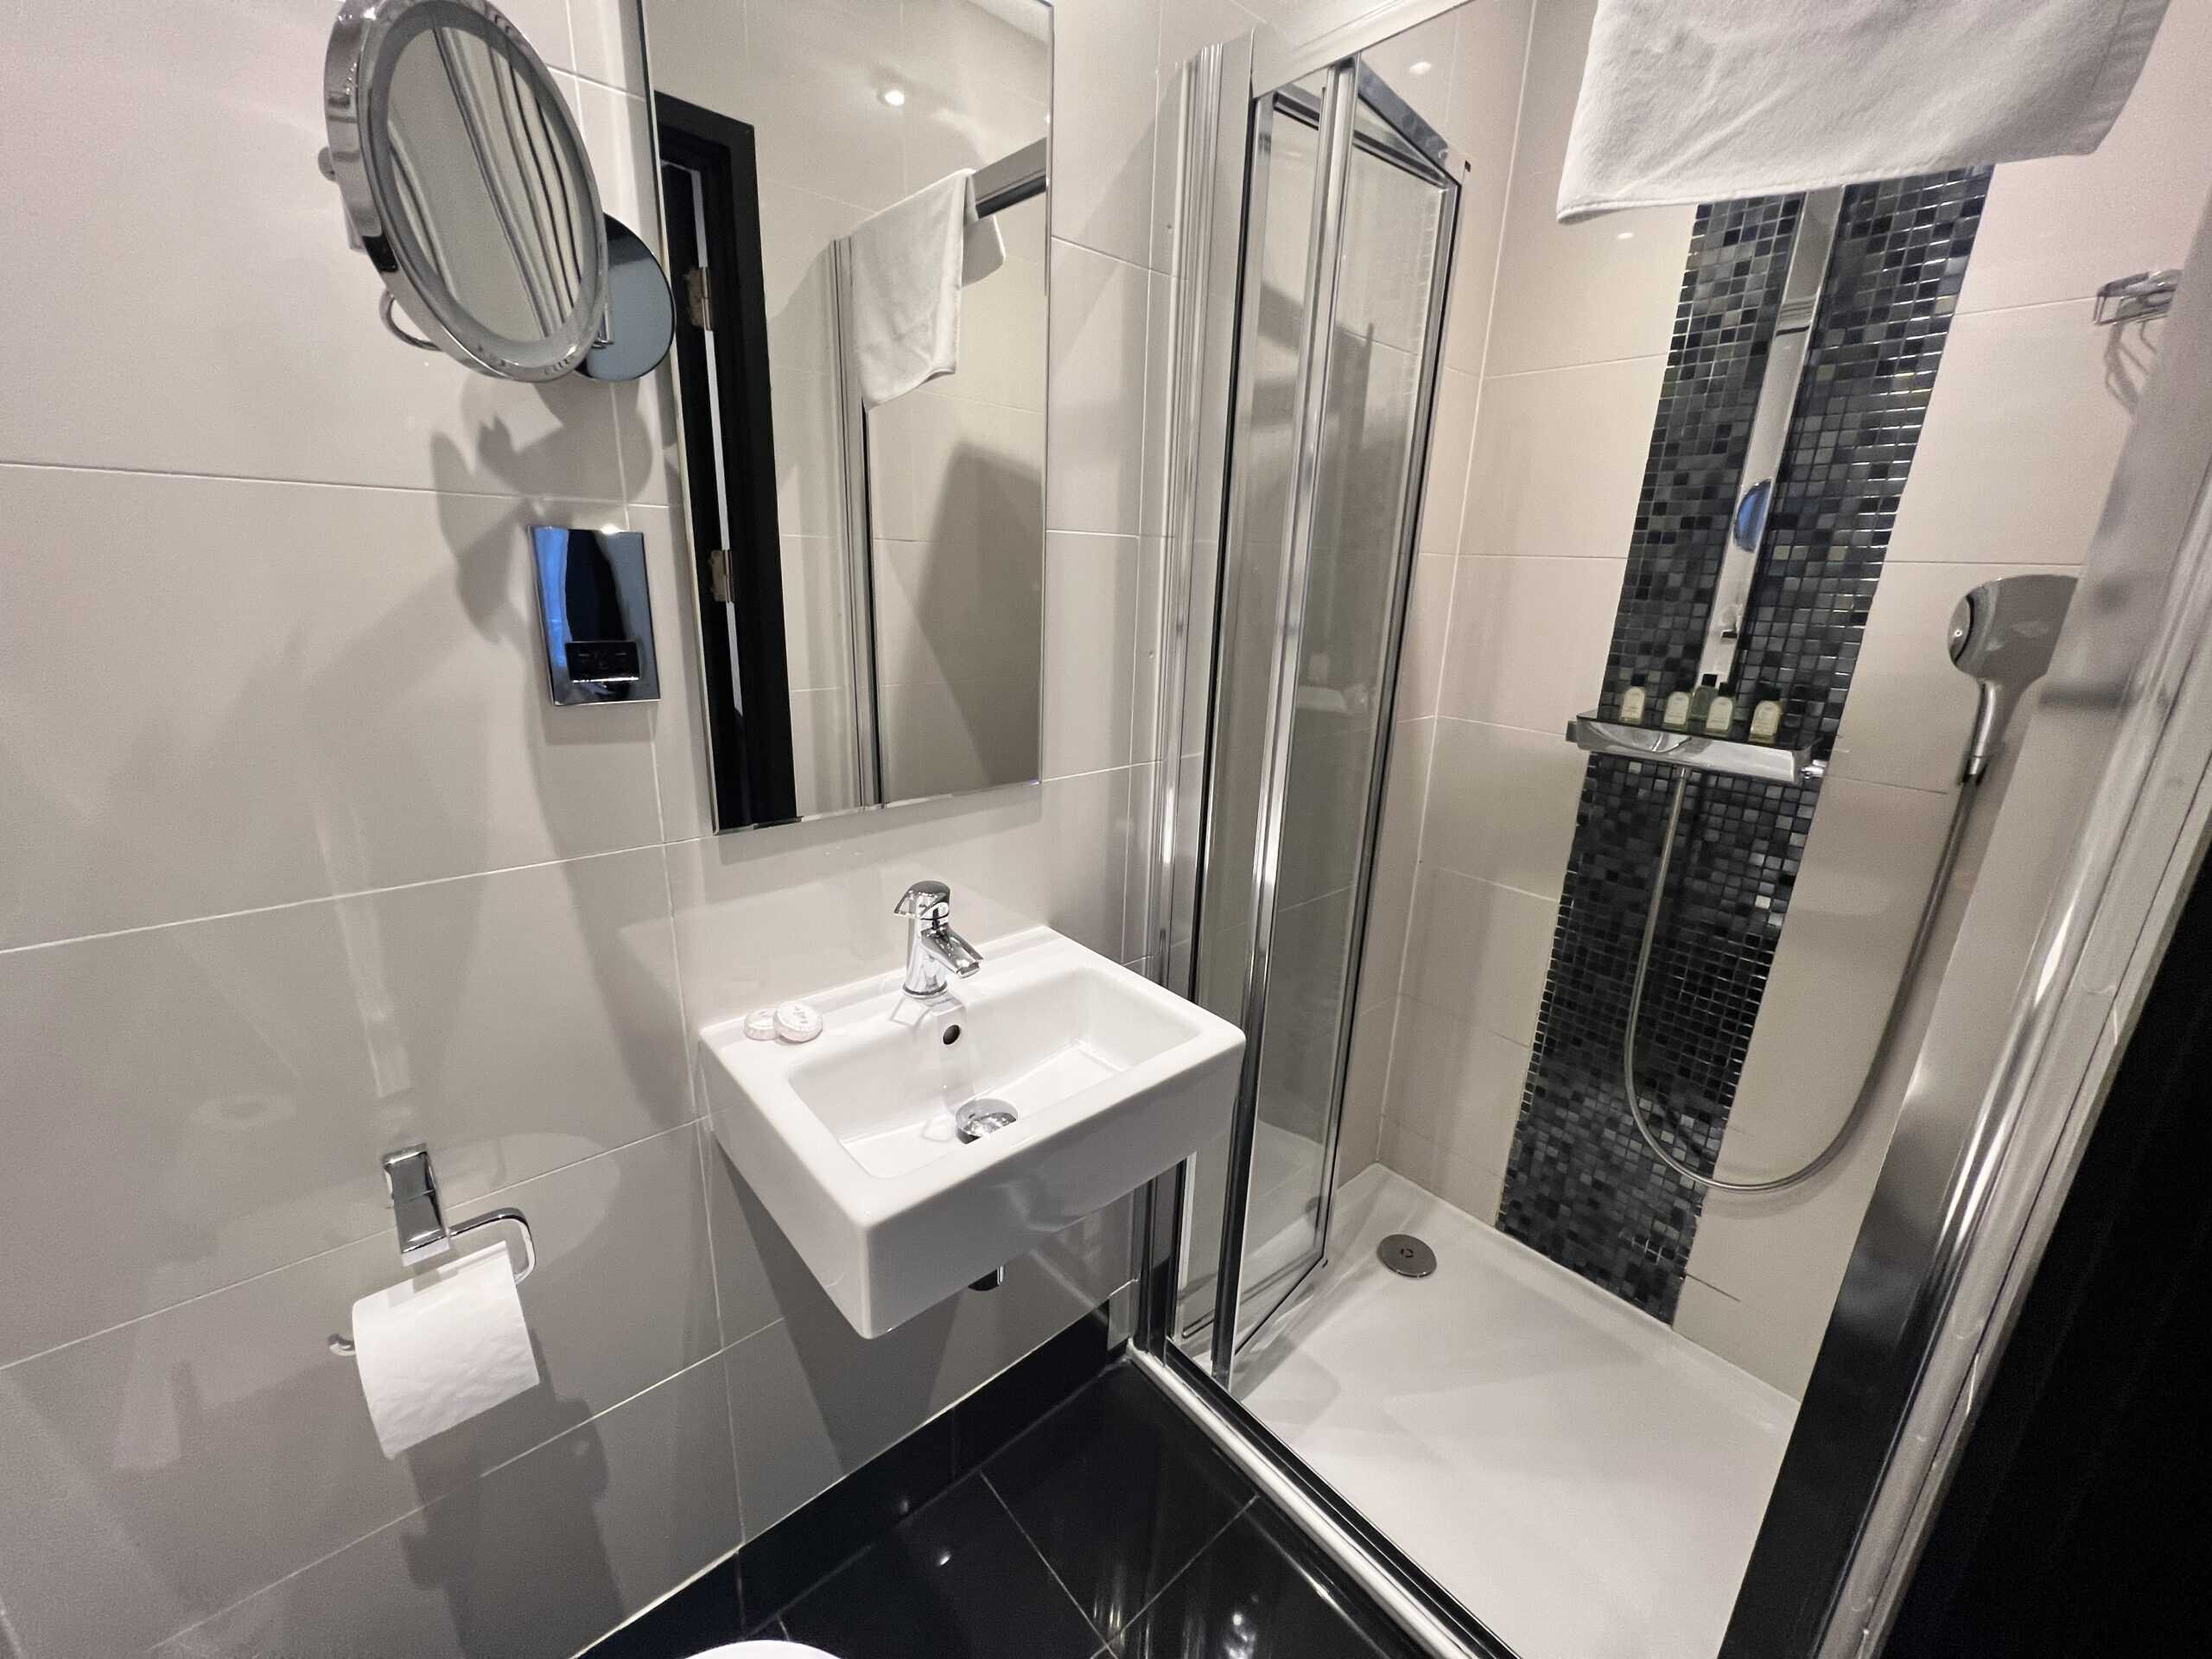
column 300, row 865
column 1512, row 627
column 1580, row 1186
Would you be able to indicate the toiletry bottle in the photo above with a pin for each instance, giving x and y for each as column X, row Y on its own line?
column 1678, row 710
column 1766, row 719
column 1720, row 714
column 1633, row 704
column 1701, row 700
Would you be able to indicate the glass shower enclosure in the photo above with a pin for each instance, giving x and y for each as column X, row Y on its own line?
column 1351, row 206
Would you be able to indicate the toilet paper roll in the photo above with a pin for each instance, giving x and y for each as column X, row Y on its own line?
column 441, row 1348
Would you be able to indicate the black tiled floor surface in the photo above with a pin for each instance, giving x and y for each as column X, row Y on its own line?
column 1111, row 1529
column 1118, row 1494
column 957, row 1578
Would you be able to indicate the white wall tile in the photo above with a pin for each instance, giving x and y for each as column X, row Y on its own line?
column 1529, row 639
column 1444, row 495
column 1501, row 804
column 143, row 1456
column 1458, row 1181
column 618, row 133
column 2059, row 228
column 1434, row 46
column 555, row 1549
column 1910, row 710
column 609, row 44
column 219, row 1093
column 2030, row 411
column 1091, row 601
column 1588, row 293
column 1103, row 121
column 1482, row 117
column 268, row 365
column 1429, row 617
column 547, row 26
column 1098, row 357
column 1559, row 461
column 1479, row 951
column 283, row 691
column 1456, row 1086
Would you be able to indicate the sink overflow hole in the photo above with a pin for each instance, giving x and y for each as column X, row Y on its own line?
column 951, row 1035
column 980, row 1117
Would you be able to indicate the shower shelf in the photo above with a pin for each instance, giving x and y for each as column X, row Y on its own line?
column 1767, row 763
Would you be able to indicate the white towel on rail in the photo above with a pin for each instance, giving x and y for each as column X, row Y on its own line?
column 1713, row 100
column 908, row 265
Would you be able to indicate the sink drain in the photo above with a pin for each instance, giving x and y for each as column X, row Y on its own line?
column 980, row 1117
column 1404, row 1253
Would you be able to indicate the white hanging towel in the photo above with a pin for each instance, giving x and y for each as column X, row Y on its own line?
column 908, row 265
column 1713, row 100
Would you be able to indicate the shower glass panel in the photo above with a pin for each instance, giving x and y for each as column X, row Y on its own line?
column 1345, row 267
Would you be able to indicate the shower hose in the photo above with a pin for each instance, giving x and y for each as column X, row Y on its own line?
column 1931, row 907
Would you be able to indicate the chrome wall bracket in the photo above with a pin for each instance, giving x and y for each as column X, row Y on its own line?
column 1764, row 763
column 418, row 1215
column 2133, row 299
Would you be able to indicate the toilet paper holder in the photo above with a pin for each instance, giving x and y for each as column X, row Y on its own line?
column 419, row 1215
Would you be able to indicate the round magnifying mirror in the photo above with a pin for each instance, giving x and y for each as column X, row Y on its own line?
column 466, row 181
column 640, row 311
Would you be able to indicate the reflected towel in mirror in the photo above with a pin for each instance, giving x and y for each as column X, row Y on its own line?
column 908, row 265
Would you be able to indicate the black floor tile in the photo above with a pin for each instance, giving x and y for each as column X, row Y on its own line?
column 1257, row 1592
column 957, row 1580
column 702, row 1615
column 1010, row 1402
column 1119, row 1492
column 802, row 1549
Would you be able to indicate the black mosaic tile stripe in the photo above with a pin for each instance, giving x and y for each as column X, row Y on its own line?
column 1580, row 1185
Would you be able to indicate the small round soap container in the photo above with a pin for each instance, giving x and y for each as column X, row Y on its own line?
column 798, row 1022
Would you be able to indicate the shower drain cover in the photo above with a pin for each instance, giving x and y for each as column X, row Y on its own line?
column 1404, row 1253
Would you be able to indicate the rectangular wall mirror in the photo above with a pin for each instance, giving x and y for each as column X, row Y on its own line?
column 861, row 386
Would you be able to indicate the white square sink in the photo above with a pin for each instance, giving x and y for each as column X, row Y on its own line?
column 849, row 1142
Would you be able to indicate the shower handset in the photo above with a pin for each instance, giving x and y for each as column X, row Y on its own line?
column 2002, row 635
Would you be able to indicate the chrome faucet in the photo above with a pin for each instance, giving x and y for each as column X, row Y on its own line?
column 934, row 951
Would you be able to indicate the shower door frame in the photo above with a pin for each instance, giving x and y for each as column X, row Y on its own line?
column 1225, row 88
column 1407, row 142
